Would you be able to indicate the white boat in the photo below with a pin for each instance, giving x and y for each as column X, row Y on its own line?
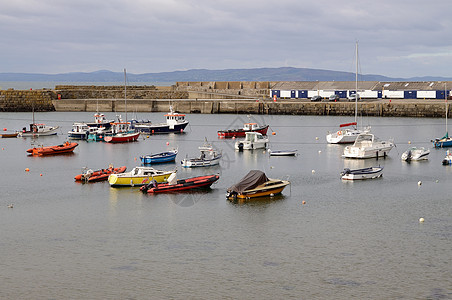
column 209, row 157
column 368, row 145
column 348, row 135
column 80, row 131
column 175, row 122
column 253, row 140
column 361, row 174
column 282, row 152
column 448, row 158
column 139, row 176
column 37, row 130
column 415, row 153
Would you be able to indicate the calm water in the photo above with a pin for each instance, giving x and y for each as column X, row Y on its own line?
column 360, row 240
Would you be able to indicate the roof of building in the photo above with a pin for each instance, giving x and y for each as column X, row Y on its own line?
column 323, row 85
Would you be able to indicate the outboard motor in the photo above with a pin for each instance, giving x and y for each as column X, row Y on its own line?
column 409, row 155
column 240, row 146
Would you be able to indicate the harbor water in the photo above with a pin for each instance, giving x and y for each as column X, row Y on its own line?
column 322, row 238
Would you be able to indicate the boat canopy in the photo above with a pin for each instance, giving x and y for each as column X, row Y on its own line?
column 250, row 181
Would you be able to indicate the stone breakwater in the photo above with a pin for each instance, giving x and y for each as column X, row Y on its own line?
column 38, row 100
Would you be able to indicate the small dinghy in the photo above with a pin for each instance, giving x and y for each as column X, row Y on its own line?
column 209, row 157
column 360, row 174
column 174, row 185
column 158, row 158
column 67, row 147
column 282, row 152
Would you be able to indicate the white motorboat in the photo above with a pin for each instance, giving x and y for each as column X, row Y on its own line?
column 253, row 140
column 368, row 145
column 209, row 157
column 415, row 153
column 360, row 174
column 37, row 130
column 80, row 131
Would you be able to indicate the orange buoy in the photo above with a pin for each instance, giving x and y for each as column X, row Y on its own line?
column 27, row 170
column 273, row 133
column 304, row 202
column 40, row 174
column 167, row 143
column 4, row 129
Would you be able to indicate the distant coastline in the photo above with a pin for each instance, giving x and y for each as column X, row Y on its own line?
column 38, row 85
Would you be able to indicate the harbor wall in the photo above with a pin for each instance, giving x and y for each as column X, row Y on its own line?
column 27, row 100
column 387, row 108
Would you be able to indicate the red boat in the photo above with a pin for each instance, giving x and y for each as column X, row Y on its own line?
column 99, row 175
column 67, row 147
column 241, row 132
column 122, row 137
column 180, row 185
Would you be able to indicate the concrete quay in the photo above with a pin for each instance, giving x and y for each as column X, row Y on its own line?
column 382, row 108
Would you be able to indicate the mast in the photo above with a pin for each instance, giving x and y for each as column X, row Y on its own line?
column 356, row 83
column 445, row 97
column 125, row 92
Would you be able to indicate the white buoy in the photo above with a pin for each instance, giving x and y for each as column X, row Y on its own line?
column 271, row 167
column 437, row 181
column 313, row 171
column 421, row 220
column 316, row 137
column 320, row 151
column 409, row 142
column 271, row 195
column 10, row 205
column 419, row 182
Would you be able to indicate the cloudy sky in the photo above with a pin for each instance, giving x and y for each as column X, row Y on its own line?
column 396, row 38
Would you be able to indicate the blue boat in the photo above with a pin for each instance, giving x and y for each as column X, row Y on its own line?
column 445, row 141
column 158, row 158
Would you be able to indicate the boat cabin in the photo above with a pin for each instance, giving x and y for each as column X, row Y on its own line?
column 36, row 128
column 254, row 137
column 250, row 126
column 80, row 127
column 120, row 127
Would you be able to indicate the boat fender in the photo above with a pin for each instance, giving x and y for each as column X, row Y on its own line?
column 339, row 132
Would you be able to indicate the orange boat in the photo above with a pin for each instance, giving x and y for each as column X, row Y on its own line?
column 99, row 175
column 67, row 147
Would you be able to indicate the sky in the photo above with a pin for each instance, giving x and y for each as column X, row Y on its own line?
column 396, row 38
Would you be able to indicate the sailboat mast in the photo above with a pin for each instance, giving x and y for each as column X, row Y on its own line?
column 125, row 92
column 445, row 97
column 356, row 83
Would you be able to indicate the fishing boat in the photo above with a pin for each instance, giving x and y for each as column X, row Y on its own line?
column 138, row 177
column 98, row 134
column 121, row 133
column 367, row 145
column 448, row 158
column 256, row 184
column 158, row 158
column 253, row 140
column 446, row 140
column 209, row 157
column 240, row 132
column 175, row 122
column 361, row 174
column 66, row 147
column 100, row 121
column 415, row 153
column 174, row 185
column 79, row 131
column 348, row 132
column 37, row 130
column 282, row 152
column 89, row 175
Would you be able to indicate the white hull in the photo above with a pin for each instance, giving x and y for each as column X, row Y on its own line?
column 46, row 132
column 373, row 173
column 250, row 145
column 196, row 162
column 344, row 136
column 414, row 154
column 368, row 146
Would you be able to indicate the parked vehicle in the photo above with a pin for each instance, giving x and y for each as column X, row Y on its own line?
column 316, row 98
column 334, row 98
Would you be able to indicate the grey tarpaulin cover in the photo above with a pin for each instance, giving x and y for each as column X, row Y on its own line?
column 250, row 181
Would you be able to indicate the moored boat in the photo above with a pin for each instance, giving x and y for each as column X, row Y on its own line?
column 99, row 175
column 360, row 174
column 138, row 176
column 448, row 158
column 175, row 122
column 282, row 152
column 256, row 184
column 37, row 130
column 66, row 147
column 240, row 132
column 121, row 133
column 158, row 158
column 8, row 135
column 415, row 153
column 367, row 145
column 79, row 131
column 209, row 157
column 174, row 185
column 253, row 140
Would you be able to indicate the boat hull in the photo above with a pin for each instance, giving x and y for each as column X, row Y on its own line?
column 158, row 158
column 122, row 137
column 241, row 132
column 49, row 132
column 99, row 175
column 283, row 153
column 196, row 162
column 116, row 180
column 261, row 191
column 183, row 185
column 442, row 143
column 160, row 128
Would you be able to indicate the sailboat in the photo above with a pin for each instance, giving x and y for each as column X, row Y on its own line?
column 38, row 129
column 120, row 131
column 445, row 141
column 347, row 134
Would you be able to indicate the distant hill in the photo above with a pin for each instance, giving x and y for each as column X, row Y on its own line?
column 258, row 74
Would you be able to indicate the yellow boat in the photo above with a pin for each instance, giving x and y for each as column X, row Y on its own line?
column 139, row 176
column 256, row 184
